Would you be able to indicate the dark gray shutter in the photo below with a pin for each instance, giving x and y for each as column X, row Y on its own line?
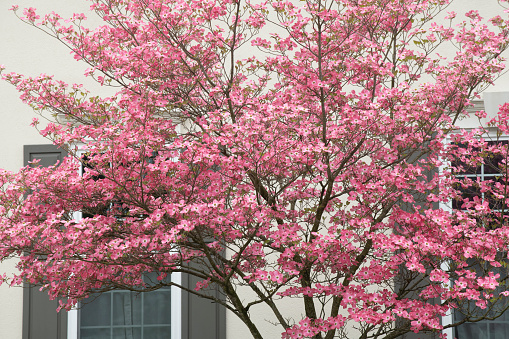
column 425, row 281
column 48, row 154
column 201, row 318
column 40, row 318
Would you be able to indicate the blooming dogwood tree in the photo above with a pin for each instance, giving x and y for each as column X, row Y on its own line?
column 297, row 149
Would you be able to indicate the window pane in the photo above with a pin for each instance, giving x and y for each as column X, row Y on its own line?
column 95, row 333
column 472, row 331
column 499, row 330
column 126, row 308
column 468, row 192
column 127, row 333
column 493, row 161
column 500, row 192
column 464, row 166
column 157, row 332
column 157, row 307
column 96, row 311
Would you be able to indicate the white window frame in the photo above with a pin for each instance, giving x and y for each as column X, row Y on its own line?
column 73, row 325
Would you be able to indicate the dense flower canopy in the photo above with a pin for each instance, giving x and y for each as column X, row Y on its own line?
column 297, row 148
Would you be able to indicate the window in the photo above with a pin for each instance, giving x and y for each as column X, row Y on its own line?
column 120, row 314
column 490, row 173
column 123, row 314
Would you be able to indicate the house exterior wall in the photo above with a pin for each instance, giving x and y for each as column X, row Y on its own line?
column 26, row 50
column 23, row 49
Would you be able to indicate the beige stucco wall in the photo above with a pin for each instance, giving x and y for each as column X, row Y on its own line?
column 26, row 50
column 29, row 51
